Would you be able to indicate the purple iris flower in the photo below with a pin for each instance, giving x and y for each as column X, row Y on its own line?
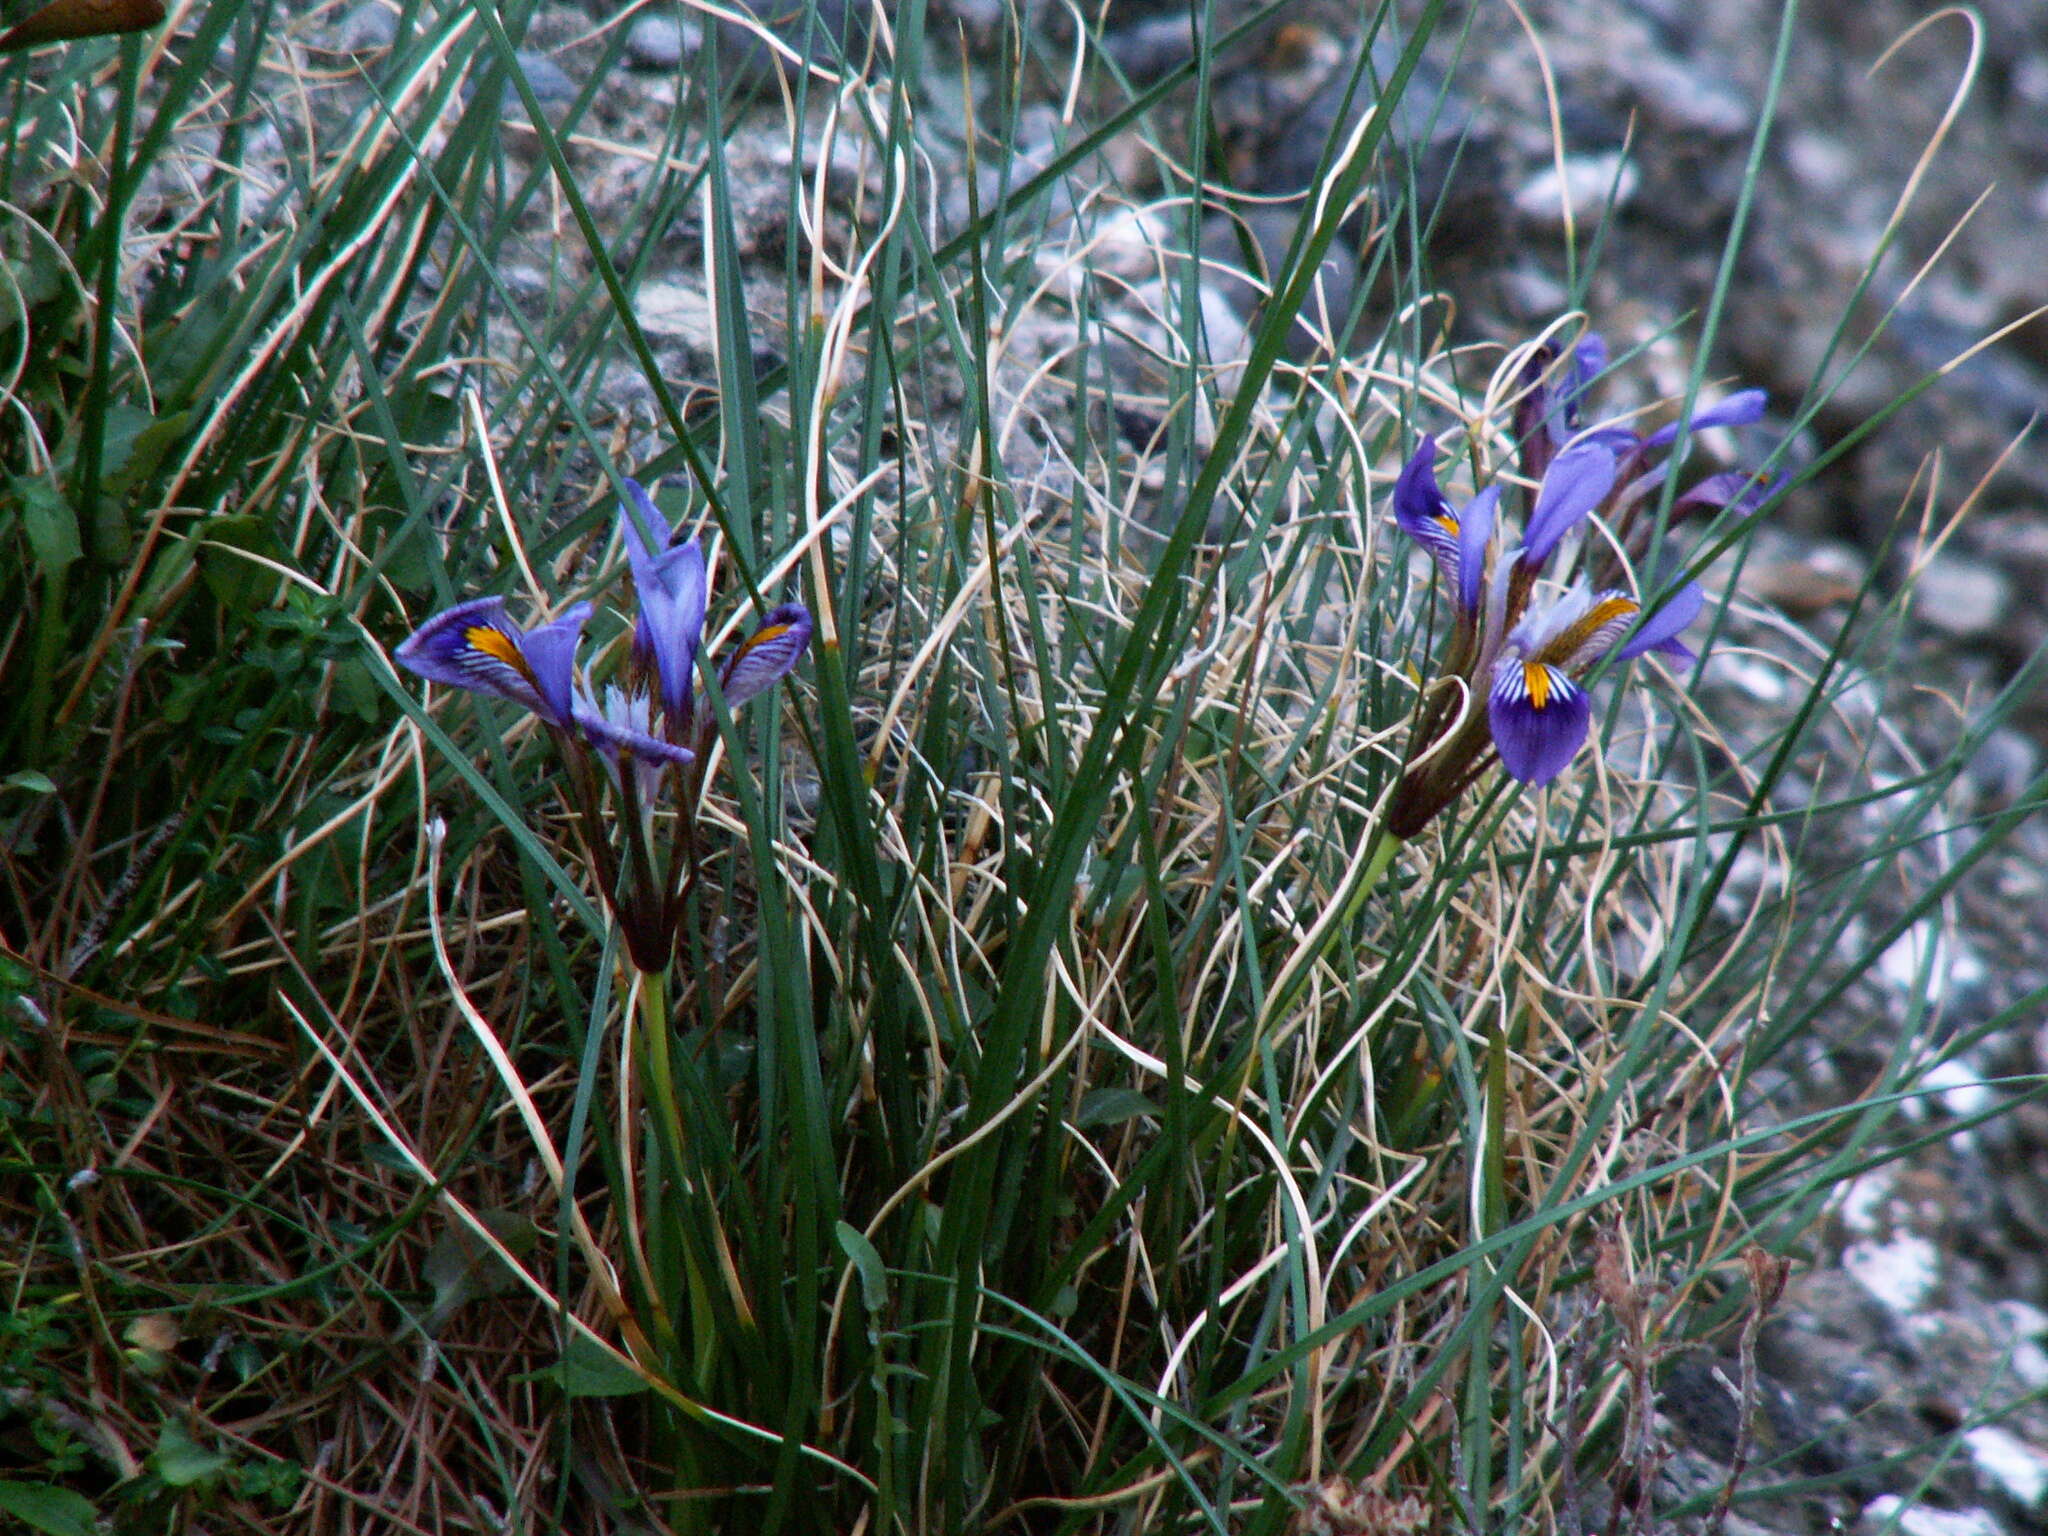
column 474, row 646
column 1535, row 708
column 1456, row 541
column 1528, row 660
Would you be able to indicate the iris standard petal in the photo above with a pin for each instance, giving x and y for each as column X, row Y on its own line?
column 1738, row 410
column 551, row 660
column 474, row 646
column 646, row 534
column 1589, row 358
column 766, row 656
column 1538, row 716
column 670, row 586
column 1475, row 531
column 1576, row 482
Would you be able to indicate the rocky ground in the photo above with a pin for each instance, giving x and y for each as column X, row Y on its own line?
column 1925, row 1313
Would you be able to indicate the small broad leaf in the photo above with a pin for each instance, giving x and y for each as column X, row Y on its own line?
column 62, row 20
column 49, row 521
column 1112, row 1106
column 56, row 1511
column 462, row 1267
column 867, row 1263
column 587, row 1369
column 182, row 1461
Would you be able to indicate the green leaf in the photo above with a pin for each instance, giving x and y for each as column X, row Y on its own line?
column 235, row 580
column 136, row 458
column 58, row 1511
column 182, row 1461
column 29, row 779
column 874, row 1275
column 462, row 1267
column 49, row 521
column 1113, row 1106
column 586, row 1369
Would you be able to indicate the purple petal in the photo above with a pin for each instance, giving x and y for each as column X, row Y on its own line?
column 551, row 661
column 1578, row 479
column 1736, row 491
column 1475, row 529
column 1659, row 632
column 1738, row 410
column 639, row 530
column 670, row 585
column 1539, row 718
column 766, row 656
column 1589, row 357
column 474, row 646
column 1424, row 513
column 615, row 736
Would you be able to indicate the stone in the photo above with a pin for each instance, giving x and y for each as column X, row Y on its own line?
column 658, row 42
column 369, row 28
column 1962, row 597
column 1892, row 1514
column 1590, row 187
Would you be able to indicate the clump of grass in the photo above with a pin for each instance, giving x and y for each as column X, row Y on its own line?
column 1061, row 1114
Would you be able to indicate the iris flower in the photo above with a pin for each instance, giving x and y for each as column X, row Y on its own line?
column 1527, row 660
column 475, row 646
column 641, row 731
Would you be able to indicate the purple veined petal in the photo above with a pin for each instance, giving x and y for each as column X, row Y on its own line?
column 1738, row 410
column 474, row 646
column 1475, row 532
column 1659, row 632
column 1539, row 718
column 766, row 656
column 1578, row 479
column 1424, row 513
column 1584, row 626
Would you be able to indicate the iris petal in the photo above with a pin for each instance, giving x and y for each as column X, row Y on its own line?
column 1475, row 531
column 1660, row 631
column 1424, row 513
column 766, row 656
column 670, row 584
column 474, row 646
column 1576, row 482
column 1738, row 410
column 1539, row 718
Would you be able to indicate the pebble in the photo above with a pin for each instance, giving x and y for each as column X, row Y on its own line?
column 674, row 312
column 1589, row 186
column 551, row 84
column 657, row 42
column 2003, row 1459
column 1962, row 597
column 1892, row 1514
column 369, row 28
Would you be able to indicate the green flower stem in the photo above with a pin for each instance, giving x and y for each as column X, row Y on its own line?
column 1340, row 916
